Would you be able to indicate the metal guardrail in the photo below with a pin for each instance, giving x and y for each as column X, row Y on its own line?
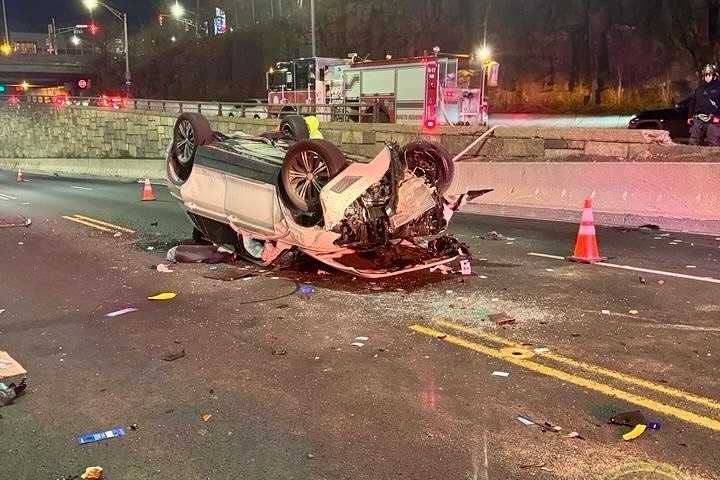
column 341, row 112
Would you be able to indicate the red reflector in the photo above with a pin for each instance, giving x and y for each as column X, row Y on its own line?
column 716, row 119
column 430, row 124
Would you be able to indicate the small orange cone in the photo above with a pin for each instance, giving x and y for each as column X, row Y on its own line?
column 586, row 249
column 147, row 193
column 19, row 176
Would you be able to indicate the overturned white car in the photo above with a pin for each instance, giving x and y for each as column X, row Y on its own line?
column 265, row 195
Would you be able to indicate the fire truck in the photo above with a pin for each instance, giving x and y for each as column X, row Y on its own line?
column 417, row 90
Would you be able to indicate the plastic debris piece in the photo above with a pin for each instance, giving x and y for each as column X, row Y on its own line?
column 362, row 339
column 482, row 276
column 641, row 279
column 279, row 351
column 501, row 318
column 357, row 344
column 661, row 282
column 164, row 268
column 633, row 312
column 690, row 266
column 117, row 234
column 525, row 420
column 2, row 310
column 605, row 312
column 498, row 373
column 121, row 312
column 574, row 435
column 322, row 272
column 494, row 299
column 92, row 473
column 205, row 416
column 634, row 433
column 465, row 267
column 541, row 350
column 305, row 289
column 449, row 292
column 163, row 296
column 85, row 438
column 654, row 425
column 151, row 248
column 172, row 356
column 549, row 269
column 552, row 427
column 21, row 243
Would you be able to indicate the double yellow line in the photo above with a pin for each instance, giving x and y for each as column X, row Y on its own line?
column 97, row 224
column 521, row 356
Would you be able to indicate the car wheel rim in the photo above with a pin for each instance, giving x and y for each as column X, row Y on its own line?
column 308, row 175
column 184, row 142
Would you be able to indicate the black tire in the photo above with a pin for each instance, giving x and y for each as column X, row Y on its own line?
column 320, row 158
column 430, row 160
column 191, row 131
column 295, row 128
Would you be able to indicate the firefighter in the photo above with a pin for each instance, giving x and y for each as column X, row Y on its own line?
column 704, row 109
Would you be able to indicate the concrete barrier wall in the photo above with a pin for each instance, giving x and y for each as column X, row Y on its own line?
column 633, row 176
column 678, row 196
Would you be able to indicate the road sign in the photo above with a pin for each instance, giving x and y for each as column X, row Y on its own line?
column 220, row 24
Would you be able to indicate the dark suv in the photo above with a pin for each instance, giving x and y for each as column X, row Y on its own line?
column 673, row 119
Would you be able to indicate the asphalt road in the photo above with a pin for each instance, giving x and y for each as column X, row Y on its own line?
column 290, row 397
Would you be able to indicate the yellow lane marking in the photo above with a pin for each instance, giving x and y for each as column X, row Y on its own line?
column 100, row 222
column 675, row 392
column 77, row 220
column 639, row 400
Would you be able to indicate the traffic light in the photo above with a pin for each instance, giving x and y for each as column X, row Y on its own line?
column 2, row 88
column 93, row 28
column 160, row 20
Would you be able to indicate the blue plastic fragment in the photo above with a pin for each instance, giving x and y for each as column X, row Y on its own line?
column 654, row 425
column 84, row 438
column 306, row 289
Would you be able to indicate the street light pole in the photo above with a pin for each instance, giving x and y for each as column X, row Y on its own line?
column 128, row 80
column 312, row 27
column 90, row 4
column 7, row 32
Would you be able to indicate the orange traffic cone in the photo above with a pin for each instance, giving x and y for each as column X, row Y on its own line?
column 147, row 193
column 19, row 176
column 586, row 249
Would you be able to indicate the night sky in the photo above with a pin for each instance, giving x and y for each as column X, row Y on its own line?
column 34, row 15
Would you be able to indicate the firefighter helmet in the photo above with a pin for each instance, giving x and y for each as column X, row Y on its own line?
column 709, row 69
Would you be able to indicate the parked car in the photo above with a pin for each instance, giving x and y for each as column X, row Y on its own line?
column 673, row 119
column 262, row 196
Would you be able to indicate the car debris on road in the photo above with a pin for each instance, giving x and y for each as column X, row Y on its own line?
column 13, row 379
column 85, row 438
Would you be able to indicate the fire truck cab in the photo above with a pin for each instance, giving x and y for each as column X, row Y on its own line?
column 416, row 90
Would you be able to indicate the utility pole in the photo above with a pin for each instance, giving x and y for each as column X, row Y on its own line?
column 252, row 7
column 197, row 18
column 272, row 8
column 312, row 27
column 7, row 32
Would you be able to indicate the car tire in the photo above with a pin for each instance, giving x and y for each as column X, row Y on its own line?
column 191, row 131
column 295, row 128
column 320, row 158
column 430, row 160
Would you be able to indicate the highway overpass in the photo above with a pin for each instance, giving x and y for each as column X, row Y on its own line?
column 45, row 69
